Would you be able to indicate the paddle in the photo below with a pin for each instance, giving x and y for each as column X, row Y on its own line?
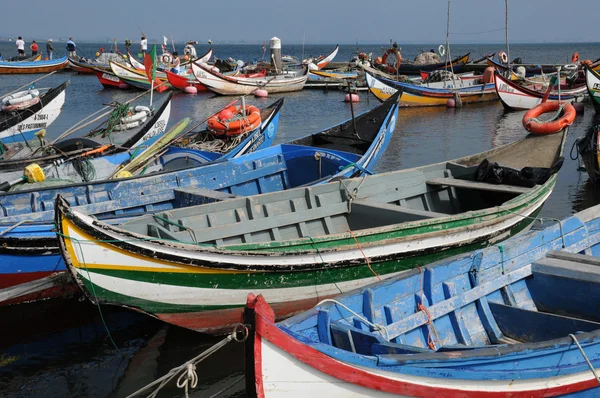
column 7, row 185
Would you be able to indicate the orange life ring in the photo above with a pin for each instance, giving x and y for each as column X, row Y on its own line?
column 235, row 126
column 536, row 127
column 391, row 68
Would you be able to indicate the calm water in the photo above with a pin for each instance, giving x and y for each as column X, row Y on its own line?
column 61, row 348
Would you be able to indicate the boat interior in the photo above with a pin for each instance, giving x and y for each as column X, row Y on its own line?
column 483, row 305
column 383, row 200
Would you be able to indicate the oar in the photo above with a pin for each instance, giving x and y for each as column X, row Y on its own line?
column 35, row 81
column 7, row 185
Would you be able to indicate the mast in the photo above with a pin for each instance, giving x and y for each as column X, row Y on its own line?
column 506, row 33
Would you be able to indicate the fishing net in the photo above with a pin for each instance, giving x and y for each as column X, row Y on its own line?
column 114, row 119
column 427, row 58
column 210, row 143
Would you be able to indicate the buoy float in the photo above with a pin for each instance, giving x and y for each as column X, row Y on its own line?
column 351, row 98
column 260, row 93
column 233, row 121
column 534, row 126
column 191, row 90
column 123, row 86
column 451, row 103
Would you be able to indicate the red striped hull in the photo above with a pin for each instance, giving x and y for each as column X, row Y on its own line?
column 180, row 82
column 106, row 81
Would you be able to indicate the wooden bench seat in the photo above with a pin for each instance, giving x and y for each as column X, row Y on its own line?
column 483, row 186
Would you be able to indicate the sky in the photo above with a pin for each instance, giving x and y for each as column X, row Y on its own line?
column 321, row 22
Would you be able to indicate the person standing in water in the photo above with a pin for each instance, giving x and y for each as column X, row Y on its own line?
column 34, row 48
column 20, row 46
column 50, row 49
column 72, row 48
column 144, row 46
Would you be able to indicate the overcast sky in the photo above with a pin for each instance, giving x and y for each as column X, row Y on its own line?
column 327, row 22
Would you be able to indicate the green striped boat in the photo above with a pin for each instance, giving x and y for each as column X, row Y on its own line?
column 592, row 80
column 194, row 267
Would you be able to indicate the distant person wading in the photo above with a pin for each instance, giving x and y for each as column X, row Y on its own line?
column 144, row 46
column 72, row 48
column 34, row 48
column 20, row 46
column 50, row 49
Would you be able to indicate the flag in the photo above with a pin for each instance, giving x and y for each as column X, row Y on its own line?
column 165, row 40
column 150, row 65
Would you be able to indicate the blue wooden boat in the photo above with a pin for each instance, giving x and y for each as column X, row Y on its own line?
column 519, row 319
column 30, row 264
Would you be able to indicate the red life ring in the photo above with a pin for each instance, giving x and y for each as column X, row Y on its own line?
column 390, row 68
column 233, row 126
column 536, row 127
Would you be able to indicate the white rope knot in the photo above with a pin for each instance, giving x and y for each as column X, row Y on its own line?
column 188, row 378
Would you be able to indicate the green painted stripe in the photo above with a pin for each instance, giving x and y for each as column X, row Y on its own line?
column 402, row 231
column 264, row 280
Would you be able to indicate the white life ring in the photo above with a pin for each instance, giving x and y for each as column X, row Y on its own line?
column 570, row 67
column 503, row 57
column 20, row 97
column 167, row 58
column 442, row 50
column 130, row 125
column 21, row 105
column 141, row 113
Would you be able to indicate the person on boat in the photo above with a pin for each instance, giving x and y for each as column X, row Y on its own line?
column 50, row 49
column 174, row 64
column 144, row 46
column 71, row 48
column 190, row 50
column 20, row 46
column 34, row 48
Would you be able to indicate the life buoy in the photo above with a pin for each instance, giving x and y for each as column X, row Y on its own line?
column 575, row 58
column 391, row 68
column 534, row 126
column 135, row 118
column 167, row 58
column 20, row 100
column 503, row 57
column 442, row 50
column 235, row 121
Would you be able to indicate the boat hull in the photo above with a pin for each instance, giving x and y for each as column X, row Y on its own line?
column 516, row 97
column 33, row 67
column 418, row 96
column 592, row 80
column 109, row 79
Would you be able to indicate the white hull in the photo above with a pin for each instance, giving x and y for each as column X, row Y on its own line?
column 226, row 85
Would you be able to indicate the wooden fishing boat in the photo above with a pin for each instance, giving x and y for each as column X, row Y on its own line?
column 33, row 58
column 181, row 81
column 592, row 80
column 109, row 79
column 135, row 78
column 86, row 66
column 117, row 138
column 28, row 249
column 457, row 65
column 515, row 96
column 421, row 95
column 323, row 61
column 137, row 65
column 22, row 125
column 530, row 69
column 517, row 319
column 80, row 66
column 21, row 67
column 299, row 246
column 231, row 85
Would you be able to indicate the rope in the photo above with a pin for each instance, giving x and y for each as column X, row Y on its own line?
column 350, row 196
column 380, row 328
column 187, row 377
column 585, row 357
column 501, row 248
column 323, row 263
column 431, row 343
column 190, row 230
column 562, row 234
column 364, row 255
